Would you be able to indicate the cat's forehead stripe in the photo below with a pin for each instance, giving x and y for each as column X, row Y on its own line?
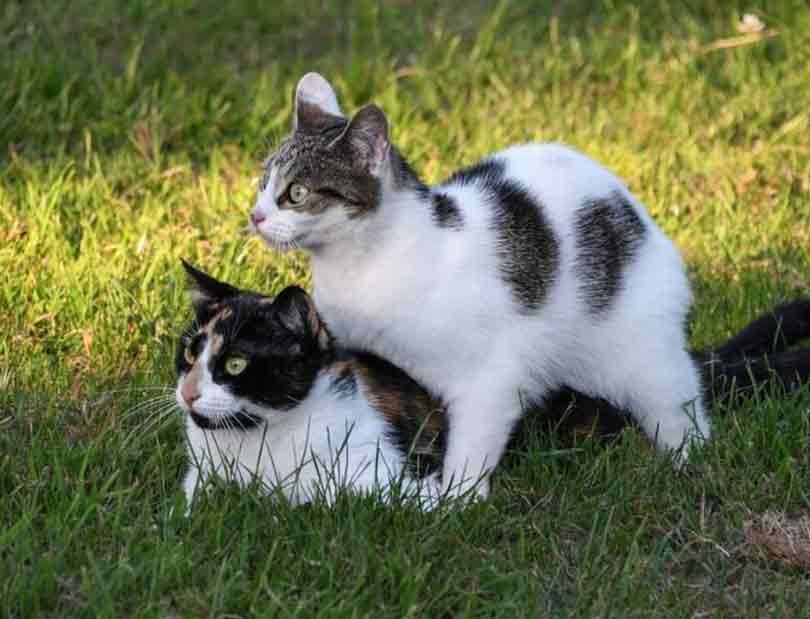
column 216, row 343
column 209, row 327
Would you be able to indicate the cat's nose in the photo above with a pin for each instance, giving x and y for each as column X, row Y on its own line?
column 256, row 217
column 190, row 394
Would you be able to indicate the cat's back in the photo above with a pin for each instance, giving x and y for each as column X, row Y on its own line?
column 548, row 165
column 554, row 178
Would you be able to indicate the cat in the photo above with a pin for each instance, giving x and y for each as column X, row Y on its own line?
column 532, row 269
column 268, row 396
column 266, row 393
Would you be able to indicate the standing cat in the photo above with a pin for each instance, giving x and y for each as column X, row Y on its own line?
column 532, row 269
column 267, row 394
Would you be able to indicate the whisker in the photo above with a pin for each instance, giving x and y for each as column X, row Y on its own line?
column 154, row 420
column 146, row 405
column 147, row 409
column 103, row 395
column 293, row 399
column 156, row 409
column 238, row 422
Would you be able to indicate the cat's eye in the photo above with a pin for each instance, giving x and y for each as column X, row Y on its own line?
column 235, row 365
column 298, row 193
column 188, row 354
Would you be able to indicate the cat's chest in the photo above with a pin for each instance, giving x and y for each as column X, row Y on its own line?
column 369, row 314
column 365, row 326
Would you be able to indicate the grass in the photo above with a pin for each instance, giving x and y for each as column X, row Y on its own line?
column 131, row 135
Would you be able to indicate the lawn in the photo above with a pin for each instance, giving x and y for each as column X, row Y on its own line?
column 132, row 133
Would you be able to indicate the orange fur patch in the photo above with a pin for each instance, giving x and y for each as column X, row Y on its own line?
column 411, row 406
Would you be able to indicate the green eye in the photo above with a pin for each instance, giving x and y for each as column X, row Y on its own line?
column 188, row 354
column 235, row 365
column 298, row 193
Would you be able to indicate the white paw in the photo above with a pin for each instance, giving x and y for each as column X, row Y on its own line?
column 469, row 490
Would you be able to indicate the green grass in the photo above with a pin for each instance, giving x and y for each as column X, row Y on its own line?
column 131, row 134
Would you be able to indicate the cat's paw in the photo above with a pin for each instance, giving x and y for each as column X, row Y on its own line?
column 468, row 491
column 430, row 492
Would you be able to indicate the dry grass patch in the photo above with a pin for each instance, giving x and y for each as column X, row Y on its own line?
column 780, row 538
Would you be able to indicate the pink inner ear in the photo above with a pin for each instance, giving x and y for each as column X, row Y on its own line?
column 313, row 89
column 372, row 148
column 379, row 155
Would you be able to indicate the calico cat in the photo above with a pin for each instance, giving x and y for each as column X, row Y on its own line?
column 530, row 270
column 268, row 394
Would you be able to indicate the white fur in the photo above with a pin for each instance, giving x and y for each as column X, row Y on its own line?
column 430, row 300
column 322, row 446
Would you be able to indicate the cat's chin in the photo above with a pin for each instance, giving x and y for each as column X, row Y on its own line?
column 282, row 244
column 240, row 420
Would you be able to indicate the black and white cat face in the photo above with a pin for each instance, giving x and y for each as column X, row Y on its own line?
column 250, row 359
column 328, row 172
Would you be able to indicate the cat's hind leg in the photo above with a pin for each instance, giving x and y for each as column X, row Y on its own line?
column 666, row 400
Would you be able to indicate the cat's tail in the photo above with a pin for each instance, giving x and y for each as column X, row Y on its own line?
column 787, row 370
column 757, row 354
column 775, row 331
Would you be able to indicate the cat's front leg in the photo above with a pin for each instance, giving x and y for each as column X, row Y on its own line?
column 480, row 425
column 429, row 492
column 191, row 484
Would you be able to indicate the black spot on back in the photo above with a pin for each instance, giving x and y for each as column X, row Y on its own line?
column 527, row 248
column 609, row 233
column 445, row 212
column 485, row 172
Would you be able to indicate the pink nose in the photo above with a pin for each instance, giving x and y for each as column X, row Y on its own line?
column 256, row 217
column 190, row 393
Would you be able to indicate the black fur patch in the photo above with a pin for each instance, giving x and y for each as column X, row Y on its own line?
column 726, row 380
column 445, row 212
column 486, row 172
column 527, row 247
column 775, row 331
column 405, row 177
column 240, row 420
column 609, row 233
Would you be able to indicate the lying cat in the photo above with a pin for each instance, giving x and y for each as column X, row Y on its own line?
column 532, row 269
column 268, row 394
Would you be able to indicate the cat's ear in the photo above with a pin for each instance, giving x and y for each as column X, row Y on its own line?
column 315, row 101
column 206, row 292
column 296, row 311
column 367, row 137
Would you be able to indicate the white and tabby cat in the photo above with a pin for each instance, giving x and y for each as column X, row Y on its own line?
column 532, row 269
column 267, row 394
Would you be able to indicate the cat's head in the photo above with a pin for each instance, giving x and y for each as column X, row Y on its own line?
column 329, row 172
column 248, row 359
